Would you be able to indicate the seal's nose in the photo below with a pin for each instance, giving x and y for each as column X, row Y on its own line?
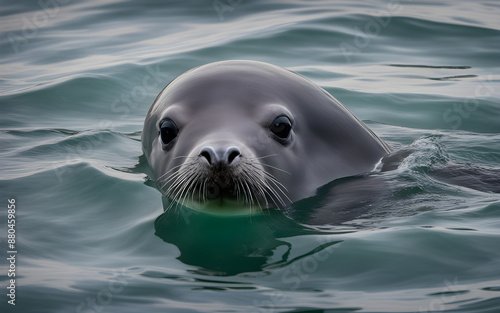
column 213, row 156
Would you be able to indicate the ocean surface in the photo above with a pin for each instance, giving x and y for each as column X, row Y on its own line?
column 76, row 81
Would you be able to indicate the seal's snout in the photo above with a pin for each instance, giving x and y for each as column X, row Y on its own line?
column 227, row 156
column 222, row 171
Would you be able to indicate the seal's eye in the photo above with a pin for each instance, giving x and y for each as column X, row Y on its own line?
column 168, row 131
column 281, row 127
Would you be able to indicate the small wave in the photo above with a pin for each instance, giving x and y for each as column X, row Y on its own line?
column 455, row 77
column 431, row 66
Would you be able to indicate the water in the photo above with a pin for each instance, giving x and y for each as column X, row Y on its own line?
column 78, row 78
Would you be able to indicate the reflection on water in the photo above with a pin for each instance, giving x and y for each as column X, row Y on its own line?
column 224, row 246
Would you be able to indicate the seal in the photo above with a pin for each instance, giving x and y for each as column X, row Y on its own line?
column 237, row 136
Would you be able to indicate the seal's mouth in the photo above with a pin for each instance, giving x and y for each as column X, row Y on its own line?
column 215, row 191
column 221, row 183
column 221, row 188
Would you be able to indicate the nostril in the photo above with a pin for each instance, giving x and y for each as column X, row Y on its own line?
column 209, row 154
column 206, row 155
column 231, row 154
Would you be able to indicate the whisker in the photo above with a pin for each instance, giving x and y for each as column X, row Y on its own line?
column 190, row 185
column 276, row 168
column 184, row 182
column 263, row 157
column 183, row 176
column 184, row 156
column 173, row 169
column 272, row 179
column 283, row 190
column 257, row 185
column 178, row 185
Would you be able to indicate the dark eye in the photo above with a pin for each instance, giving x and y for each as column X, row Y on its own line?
column 168, row 131
column 281, row 127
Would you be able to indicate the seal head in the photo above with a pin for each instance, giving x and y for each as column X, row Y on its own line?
column 247, row 134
